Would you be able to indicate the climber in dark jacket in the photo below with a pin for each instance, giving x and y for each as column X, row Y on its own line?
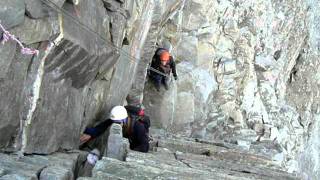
column 135, row 127
column 163, row 62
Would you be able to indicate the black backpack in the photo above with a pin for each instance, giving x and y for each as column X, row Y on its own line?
column 133, row 112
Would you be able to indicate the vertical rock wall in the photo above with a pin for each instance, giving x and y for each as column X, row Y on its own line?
column 303, row 94
column 47, row 100
column 248, row 71
column 237, row 63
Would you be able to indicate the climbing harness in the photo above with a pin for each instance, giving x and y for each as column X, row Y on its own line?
column 6, row 36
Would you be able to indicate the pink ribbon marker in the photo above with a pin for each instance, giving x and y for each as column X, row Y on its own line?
column 8, row 36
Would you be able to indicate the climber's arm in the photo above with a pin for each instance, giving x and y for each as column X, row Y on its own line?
column 95, row 131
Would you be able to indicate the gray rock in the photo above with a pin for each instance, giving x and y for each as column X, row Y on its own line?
column 12, row 12
column 87, row 178
column 231, row 28
column 53, row 173
column 46, row 103
column 17, row 177
column 229, row 66
column 184, row 114
column 160, row 105
column 150, row 30
column 217, row 162
column 58, row 3
column 263, row 63
column 35, row 9
column 194, row 87
column 193, row 19
column 66, row 81
column 212, row 125
column 14, row 69
column 122, row 77
column 7, row 52
column 2, row 172
column 112, row 5
column 187, row 49
column 34, row 31
column 117, row 146
column 71, row 87
column 118, row 21
column 55, row 166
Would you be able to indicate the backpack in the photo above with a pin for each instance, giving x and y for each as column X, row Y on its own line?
column 133, row 112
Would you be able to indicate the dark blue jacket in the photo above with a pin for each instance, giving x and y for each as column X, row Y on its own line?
column 139, row 138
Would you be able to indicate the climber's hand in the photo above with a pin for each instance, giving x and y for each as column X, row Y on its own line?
column 175, row 77
column 84, row 138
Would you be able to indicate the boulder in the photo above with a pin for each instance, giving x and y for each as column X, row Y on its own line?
column 34, row 31
column 56, row 166
column 187, row 49
column 56, row 173
column 112, row 5
column 14, row 69
column 35, row 9
column 117, row 146
column 160, row 105
column 12, row 13
column 63, row 75
column 205, row 55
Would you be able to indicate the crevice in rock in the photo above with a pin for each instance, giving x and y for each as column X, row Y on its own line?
column 125, row 41
column 244, row 171
column 206, row 153
column 181, row 160
column 220, row 144
column 300, row 122
column 294, row 70
column 277, row 54
column 110, row 30
column 27, row 14
column 69, row 1
column 187, row 164
column 40, row 170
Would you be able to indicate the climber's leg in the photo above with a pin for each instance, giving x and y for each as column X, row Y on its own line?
column 157, row 81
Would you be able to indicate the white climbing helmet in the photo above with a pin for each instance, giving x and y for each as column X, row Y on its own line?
column 118, row 113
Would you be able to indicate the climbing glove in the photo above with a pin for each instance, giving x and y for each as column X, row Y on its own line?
column 175, row 77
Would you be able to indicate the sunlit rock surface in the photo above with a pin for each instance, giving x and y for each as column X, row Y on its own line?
column 247, row 73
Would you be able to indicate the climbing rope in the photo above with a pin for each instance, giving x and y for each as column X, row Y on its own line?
column 118, row 49
column 80, row 24
column 6, row 36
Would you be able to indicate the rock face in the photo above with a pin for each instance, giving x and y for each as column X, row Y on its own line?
column 248, row 73
column 255, row 55
column 181, row 107
column 186, row 159
column 12, row 13
column 47, row 100
column 117, row 146
column 56, row 166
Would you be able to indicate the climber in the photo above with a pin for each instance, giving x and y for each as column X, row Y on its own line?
column 163, row 62
column 135, row 127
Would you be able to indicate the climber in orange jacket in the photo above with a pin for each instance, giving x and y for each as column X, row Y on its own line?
column 163, row 62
